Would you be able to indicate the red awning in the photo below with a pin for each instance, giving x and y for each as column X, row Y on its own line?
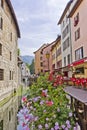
column 81, row 61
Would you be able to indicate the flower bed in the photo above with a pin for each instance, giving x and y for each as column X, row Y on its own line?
column 46, row 107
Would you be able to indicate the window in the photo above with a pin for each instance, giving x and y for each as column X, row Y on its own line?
column 41, row 64
column 66, row 31
column 76, row 19
column 10, row 75
column 66, row 44
column 66, row 18
column 1, row 3
column 59, row 64
column 68, row 58
column 1, row 74
column 41, row 52
column 1, row 125
column 0, row 49
column 41, row 70
column 77, row 34
column 79, row 70
column 79, row 54
column 1, row 23
column 58, row 52
column 41, row 58
column 9, row 115
column 10, row 55
column 64, row 61
column 53, row 56
column 10, row 36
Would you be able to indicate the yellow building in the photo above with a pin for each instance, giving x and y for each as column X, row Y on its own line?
column 56, row 54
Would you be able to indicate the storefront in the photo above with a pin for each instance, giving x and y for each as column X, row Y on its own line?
column 79, row 68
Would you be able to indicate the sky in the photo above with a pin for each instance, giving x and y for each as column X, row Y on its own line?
column 37, row 20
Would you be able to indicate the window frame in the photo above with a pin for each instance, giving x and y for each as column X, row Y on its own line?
column 77, row 34
column 0, row 49
column 1, row 23
column 1, row 74
column 79, row 53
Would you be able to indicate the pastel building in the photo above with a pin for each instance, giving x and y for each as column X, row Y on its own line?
column 39, row 60
column 56, row 54
column 47, row 57
column 66, row 44
column 79, row 38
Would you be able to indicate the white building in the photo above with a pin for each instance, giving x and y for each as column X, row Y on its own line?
column 66, row 44
column 25, row 74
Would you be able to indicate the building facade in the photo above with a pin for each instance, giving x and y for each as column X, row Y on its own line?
column 56, row 54
column 25, row 74
column 39, row 60
column 79, row 38
column 47, row 57
column 9, row 34
column 66, row 43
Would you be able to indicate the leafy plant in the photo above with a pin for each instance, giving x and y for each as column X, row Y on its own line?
column 48, row 105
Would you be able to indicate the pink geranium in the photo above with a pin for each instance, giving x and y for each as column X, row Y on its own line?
column 49, row 103
column 24, row 99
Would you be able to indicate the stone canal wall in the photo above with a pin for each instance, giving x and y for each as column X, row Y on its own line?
column 8, row 112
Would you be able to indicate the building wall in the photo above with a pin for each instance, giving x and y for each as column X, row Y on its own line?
column 59, row 57
column 8, row 62
column 8, row 113
column 39, row 60
column 8, row 46
column 56, row 55
column 54, row 62
column 46, row 50
column 67, row 51
column 82, row 41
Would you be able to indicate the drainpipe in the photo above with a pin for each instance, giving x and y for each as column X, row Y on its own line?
column 70, row 40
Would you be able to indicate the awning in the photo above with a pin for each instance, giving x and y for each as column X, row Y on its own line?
column 81, row 61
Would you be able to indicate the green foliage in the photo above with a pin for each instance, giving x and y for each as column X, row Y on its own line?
column 50, row 108
column 32, row 69
column 18, row 52
column 28, row 66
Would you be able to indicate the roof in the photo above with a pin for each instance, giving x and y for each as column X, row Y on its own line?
column 75, row 8
column 64, row 12
column 57, row 40
column 52, row 43
column 40, row 48
column 19, row 60
column 14, row 16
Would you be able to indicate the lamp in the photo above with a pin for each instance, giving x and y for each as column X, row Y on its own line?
column 48, row 56
column 81, row 109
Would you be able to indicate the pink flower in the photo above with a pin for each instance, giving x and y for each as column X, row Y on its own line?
column 24, row 99
column 49, row 103
column 23, row 124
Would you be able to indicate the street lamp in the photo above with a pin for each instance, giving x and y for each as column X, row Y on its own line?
column 48, row 56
